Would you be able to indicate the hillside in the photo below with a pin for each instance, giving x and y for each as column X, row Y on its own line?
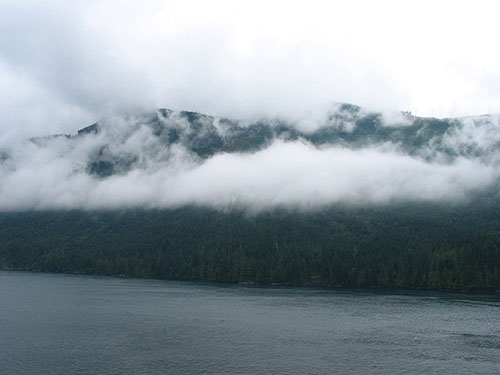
column 356, row 200
column 345, row 125
column 422, row 247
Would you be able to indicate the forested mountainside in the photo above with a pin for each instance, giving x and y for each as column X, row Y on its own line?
column 357, row 199
column 345, row 125
column 411, row 246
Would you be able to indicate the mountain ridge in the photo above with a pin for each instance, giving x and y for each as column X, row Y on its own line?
column 346, row 126
column 165, row 158
column 355, row 201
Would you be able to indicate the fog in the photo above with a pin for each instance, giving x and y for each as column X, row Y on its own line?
column 53, row 172
column 65, row 65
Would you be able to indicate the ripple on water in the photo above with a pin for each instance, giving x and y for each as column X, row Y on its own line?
column 53, row 324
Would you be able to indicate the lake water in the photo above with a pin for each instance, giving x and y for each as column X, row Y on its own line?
column 61, row 324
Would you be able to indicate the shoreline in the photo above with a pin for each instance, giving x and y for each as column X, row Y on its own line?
column 396, row 290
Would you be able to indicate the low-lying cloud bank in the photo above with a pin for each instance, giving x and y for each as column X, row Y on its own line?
column 53, row 172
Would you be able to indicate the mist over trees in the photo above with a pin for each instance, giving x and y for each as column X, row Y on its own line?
column 353, row 199
column 167, row 159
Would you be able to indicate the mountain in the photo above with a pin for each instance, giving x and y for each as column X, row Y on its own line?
column 350, row 198
column 344, row 125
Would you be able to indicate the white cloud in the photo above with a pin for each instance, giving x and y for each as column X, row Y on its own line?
column 52, row 173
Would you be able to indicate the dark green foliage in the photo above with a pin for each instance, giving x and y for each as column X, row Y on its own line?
column 101, row 168
column 408, row 246
column 106, row 164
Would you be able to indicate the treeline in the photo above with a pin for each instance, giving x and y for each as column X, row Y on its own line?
column 407, row 246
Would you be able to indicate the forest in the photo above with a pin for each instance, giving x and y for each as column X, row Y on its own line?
column 416, row 246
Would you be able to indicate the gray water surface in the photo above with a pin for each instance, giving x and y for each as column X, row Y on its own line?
column 68, row 324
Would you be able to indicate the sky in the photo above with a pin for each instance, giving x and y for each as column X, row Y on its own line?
column 66, row 64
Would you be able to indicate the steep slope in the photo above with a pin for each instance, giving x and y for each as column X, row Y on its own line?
column 345, row 125
column 352, row 198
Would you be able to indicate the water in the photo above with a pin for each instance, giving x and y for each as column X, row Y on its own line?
column 60, row 324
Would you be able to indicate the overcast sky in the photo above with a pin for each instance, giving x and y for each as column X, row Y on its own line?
column 64, row 64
